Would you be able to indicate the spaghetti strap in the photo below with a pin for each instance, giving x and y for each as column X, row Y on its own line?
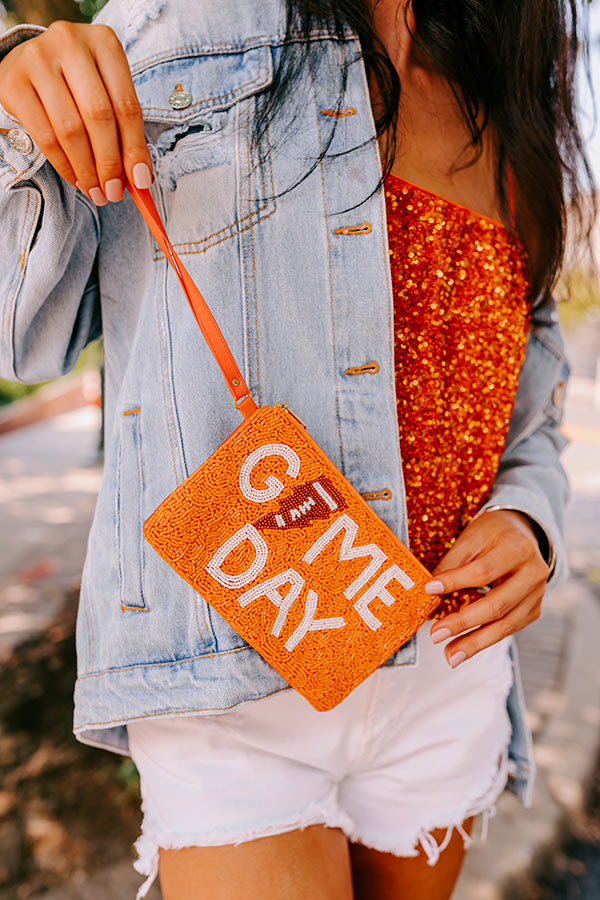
column 511, row 196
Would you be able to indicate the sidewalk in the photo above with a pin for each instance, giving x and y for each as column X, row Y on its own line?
column 49, row 479
column 48, row 484
column 559, row 656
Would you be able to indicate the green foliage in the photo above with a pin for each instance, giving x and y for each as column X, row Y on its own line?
column 89, row 8
column 578, row 293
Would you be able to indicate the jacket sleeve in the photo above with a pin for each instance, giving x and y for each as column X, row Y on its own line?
column 531, row 477
column 49, row 234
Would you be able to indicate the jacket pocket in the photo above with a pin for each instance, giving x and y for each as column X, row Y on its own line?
column 129, row 513
column 199, row 111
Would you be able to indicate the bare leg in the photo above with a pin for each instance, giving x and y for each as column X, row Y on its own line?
column 313, row 863
column 383, row 876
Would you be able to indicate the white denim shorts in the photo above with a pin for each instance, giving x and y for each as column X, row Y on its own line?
column 413, row 748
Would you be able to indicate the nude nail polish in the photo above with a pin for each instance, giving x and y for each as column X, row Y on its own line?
column 97, row 195
column 141, row 176
column 434, row 587
column 457, row 658
column 440, row 634
column 114, row 190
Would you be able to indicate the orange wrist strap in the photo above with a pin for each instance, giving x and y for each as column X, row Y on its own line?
column 205, row 319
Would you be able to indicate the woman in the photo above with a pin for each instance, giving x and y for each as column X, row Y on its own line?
column 422, row 305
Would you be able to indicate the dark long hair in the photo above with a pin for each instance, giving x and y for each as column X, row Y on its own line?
column 511, row 66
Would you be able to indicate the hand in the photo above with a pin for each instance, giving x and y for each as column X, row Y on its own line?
column 72, row 91
column 498, row 548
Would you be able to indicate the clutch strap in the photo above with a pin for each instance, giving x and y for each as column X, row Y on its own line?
column 205, row 319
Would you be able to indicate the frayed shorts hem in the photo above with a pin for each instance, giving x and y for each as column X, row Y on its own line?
column 148, row 844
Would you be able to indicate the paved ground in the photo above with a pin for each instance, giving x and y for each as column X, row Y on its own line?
column 559, row 662
column 49, row 476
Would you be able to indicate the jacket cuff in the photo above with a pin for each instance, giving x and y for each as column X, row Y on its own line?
column 19, row 156
column 549, row 539
column 17, row 35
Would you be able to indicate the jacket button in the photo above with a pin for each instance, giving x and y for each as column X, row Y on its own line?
column 19, row 140
column 180, row 99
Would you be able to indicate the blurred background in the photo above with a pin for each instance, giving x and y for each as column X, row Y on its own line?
column 69, row 813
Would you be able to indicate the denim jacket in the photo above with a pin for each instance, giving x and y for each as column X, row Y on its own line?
column 300, row 303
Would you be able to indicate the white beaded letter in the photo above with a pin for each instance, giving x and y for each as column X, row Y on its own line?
column 378, row 589
column 215, row 566
column 309, row 623
column 283, row 602
column 349, row 551
column 275, row 486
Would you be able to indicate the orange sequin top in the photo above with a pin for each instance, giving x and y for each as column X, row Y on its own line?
column 461, row 318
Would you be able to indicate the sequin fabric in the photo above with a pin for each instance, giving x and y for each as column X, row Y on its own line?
column 461, row 320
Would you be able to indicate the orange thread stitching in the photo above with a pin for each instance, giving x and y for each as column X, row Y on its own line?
column 251, row 237
column 251, row 43
column 226, row 238
column 385, row 246
column 4, row 160
column 233, row 94
column 24, row 172
column 214, row 234
column 163, row 341
column 339, row 113
column 129, row 412
column 169, row 662
column 363, row 228
column 384, row 494
column 329, row 261
column 371, row 368
column 23, row 253
column 7, row 315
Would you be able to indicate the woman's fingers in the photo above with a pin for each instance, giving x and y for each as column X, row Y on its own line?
column 67, row 124
column 491, row 607
column 86, row 117
column 103, row 168
column 43, row 133
column 114, row 70
column 524, row 613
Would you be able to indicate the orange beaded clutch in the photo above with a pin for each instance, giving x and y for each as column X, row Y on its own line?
column 280, row 543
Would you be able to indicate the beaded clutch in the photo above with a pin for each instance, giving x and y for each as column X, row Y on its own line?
column 281, row 545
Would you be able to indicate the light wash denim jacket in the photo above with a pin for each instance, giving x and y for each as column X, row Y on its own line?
column 299, row 304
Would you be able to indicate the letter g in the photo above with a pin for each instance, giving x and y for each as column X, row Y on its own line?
column 275, row 486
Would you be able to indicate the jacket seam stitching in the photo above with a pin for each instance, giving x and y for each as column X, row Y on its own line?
column 329, row 268
column 170, row 662
column 251, row 239
column 4, row 160
column 7, row 314
column 251, row 43
column 172, row 712
column 24, row 172
column 161, row 297
column 22, row 259
column 232, row 93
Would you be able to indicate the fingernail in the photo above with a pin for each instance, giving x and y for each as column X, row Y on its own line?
column 78, row 186
column 97, row 195
column 141, row 176
column 114, row 190
column 440, row 634
column 457, row 658
column 434, row 587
